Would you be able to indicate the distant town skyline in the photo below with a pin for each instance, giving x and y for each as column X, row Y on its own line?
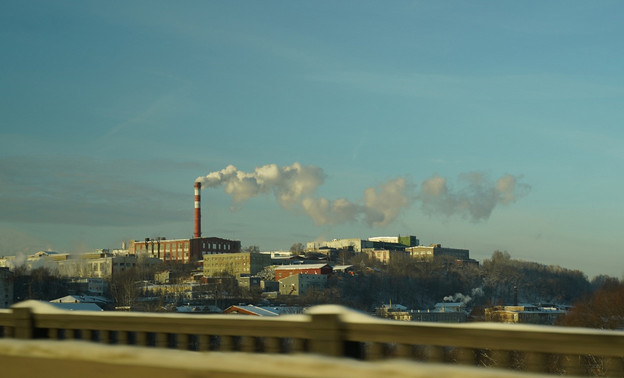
column 485, row 126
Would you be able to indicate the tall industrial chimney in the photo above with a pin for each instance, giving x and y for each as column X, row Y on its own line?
column 197, row 233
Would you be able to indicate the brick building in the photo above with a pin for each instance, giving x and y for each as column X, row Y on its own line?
column 284, row 271
column 183, row 250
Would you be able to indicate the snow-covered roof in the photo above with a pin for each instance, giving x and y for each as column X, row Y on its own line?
column 449, row 306
column 342, row 267
column 204, row 309
column 80, row 299
column 395, row 307
column 252, row 310
column 77, row 306
column 43, row 253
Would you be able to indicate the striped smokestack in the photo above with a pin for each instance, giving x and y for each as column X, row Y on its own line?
column 197, row 233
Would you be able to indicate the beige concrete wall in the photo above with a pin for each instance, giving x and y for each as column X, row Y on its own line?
column 74, row 359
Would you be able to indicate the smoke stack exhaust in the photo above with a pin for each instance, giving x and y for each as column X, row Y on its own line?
column 197, row 233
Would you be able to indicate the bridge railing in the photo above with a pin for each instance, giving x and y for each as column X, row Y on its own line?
column 334, row 331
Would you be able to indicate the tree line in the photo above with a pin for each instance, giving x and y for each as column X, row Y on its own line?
column 498, row 280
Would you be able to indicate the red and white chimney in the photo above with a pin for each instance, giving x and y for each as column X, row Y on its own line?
column 197, row 233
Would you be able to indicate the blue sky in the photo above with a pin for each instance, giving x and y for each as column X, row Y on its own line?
column 491, row 125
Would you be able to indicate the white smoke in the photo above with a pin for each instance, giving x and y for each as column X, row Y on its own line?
column 383, row 204
column 477, row 292
column 19, row 261
column 509, row 190
column 379, row 207
column 458, row 298
column 295, row 186
column 323, row 211
column 289, row 184
column 476, row 198
column 461, row 298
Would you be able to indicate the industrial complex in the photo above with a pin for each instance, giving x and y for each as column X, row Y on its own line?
column 214, row 260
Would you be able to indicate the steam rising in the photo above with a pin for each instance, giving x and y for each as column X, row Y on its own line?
column 476, row 199
column 458, row 298
column 323, row 211
column 289, row 184
column 461, row 298
column 383, row 204
column 295, row 187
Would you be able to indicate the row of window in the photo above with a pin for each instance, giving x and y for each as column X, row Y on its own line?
column 163, row 246
column 223, row 264
column 168, row 255
column 125, row 264
column 228, row 257
column 217, row 246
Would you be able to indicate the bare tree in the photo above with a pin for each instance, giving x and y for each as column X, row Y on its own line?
column 39, row 283
column 267, row 273
column 124, row 288
column 604, row 309
column 297, row 248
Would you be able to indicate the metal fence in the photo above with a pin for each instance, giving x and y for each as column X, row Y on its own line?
column 334, row 331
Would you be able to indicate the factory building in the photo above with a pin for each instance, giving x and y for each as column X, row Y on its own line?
column 100, row 265
column 433, row 251
column 384, row 255
column 406, row 240
column 354, row 245
column 385, row 248
column 523, row 314
column 185, row 250
column 243, row 263
column 395, row 243
column 284, row 271
column 37, row 260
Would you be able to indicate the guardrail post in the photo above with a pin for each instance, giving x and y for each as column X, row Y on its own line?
column 24, row 322
column 326, row 332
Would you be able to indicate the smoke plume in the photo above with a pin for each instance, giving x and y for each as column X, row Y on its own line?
column 477, row 292
column 476, row 198
column 295, row 187
column 383, row 204
column 458, row 298
column 379, row 207
column 461, row 298
column 289, row 184
column 323, row 211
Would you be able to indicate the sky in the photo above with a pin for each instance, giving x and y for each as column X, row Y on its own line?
column 489, row 125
